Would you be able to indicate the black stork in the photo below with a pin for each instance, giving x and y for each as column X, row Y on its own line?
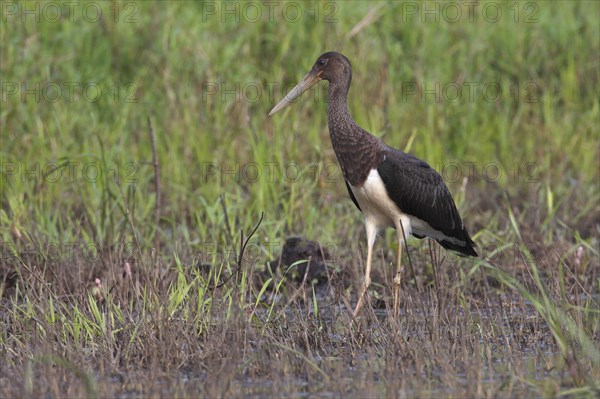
column 390, row 187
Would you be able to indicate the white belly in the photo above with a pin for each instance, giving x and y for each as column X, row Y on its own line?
column 379, row 209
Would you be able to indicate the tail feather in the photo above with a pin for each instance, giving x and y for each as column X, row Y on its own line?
column 462, row 249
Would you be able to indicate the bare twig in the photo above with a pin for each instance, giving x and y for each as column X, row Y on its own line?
column 243, row 244
column 226, row 215
column 43, row 283
column 38, row 184
column 409, row 259
column 41, row 253
column 156, row 166
column 434, row 266
column 367, row 20
column 412, row 270
column 130, row 220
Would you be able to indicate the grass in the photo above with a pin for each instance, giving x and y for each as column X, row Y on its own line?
column 100, row 300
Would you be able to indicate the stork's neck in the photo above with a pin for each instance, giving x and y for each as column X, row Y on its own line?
column 355, row 148
column 341, row 125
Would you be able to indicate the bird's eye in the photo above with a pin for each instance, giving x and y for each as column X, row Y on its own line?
column 322, row 62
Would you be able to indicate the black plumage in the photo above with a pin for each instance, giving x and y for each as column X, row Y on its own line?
column 390, row 187
column 420, row 191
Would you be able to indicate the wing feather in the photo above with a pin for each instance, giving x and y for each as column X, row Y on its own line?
column 418, row 190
